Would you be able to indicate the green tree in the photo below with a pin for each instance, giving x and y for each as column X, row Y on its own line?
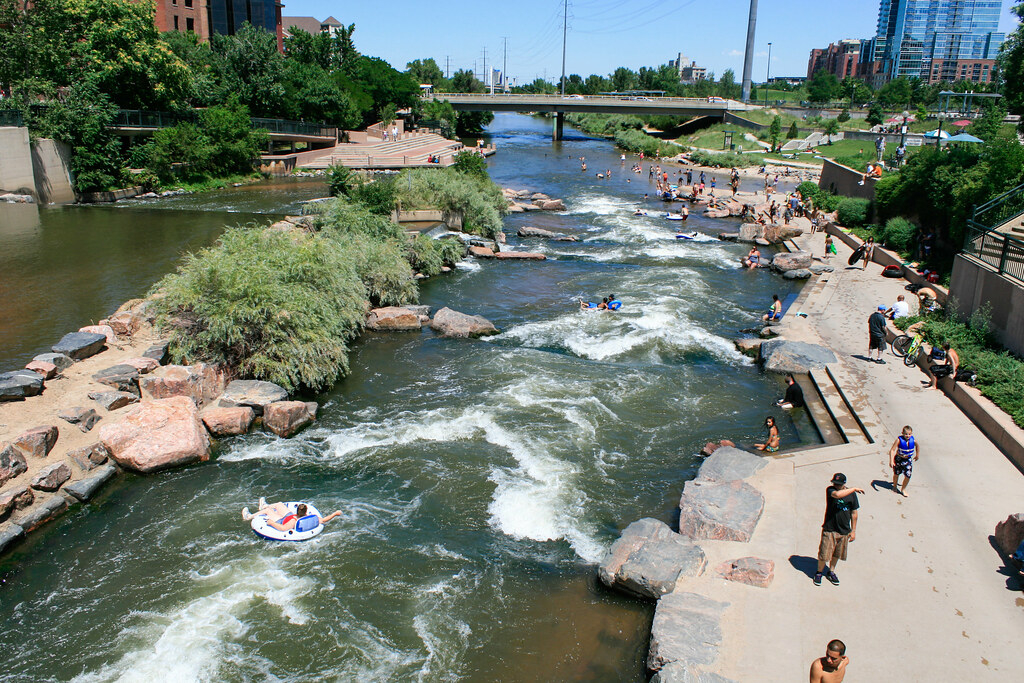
column 345, row 53
column 181, row 151
column 727, row 85
column 314, row 49
column 464, row 81
column 470, row 163
column 425, row 71
column 1011, row 67
column 251, row 67
column 793, row 132
column 855, row 89
column 844, row 116
column 443, row 113
column 875, row 116
column 991, row 121
column 236, row 145
column 896, row 93
column 313, row 95
column 624, row 79
column 774, row 131
column 831, row 128
column 822, row 86
column 340, row 181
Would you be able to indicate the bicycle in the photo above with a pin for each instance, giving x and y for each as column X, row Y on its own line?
column 908, row 347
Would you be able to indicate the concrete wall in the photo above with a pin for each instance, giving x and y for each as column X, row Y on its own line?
column 16, row 161
column 51, row 164
column 975, row 284
column 843, row 180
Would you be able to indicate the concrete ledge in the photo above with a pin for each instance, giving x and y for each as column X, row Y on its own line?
column 112, row 196
column 884, row 257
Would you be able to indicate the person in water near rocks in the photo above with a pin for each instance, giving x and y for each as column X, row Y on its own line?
column 832, row 667
column 280, row 517
column 776, row 310
column 794, row 397
column 773, row 437
column 753, row 259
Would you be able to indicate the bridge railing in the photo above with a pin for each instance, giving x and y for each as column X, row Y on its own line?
column 141, row 118
column 591, row 98
column 296, row 127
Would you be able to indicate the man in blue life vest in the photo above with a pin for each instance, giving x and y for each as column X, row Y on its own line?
column 902, row 455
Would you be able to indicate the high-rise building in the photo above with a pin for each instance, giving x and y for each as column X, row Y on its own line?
column 206, row 17
column 934, row 40
column 838, row 58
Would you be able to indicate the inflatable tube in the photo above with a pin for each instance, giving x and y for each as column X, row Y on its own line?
column 892, row 271
column 856, row 255
column 687, row 235
column 262, row 528
column 675, row 216
column 614, row 305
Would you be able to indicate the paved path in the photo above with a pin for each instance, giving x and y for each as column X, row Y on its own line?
column 923, row 596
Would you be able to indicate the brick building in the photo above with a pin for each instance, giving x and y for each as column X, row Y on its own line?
column 206, row 17
column 839, row 59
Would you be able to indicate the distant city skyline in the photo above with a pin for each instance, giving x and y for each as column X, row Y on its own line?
column 603, row 34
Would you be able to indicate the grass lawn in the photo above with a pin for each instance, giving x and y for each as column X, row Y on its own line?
column 712, row 137
column 786, row 95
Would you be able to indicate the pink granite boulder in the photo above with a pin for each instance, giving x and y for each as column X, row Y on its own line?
column 393, row 319
column 286, row 418
column 12, row 463
column 88, row 457
column 51, row 477
column 142, row 364
column 38, row 441
column 200, row 382
column 481, row 252
column 228, row 421
column 719, row 510
column 156, row 435
column 106, row 330
column 16, row 498
column 47, row 370
column 752, row 571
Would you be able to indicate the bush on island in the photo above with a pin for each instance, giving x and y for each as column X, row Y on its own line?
column 266, row 305
column 475, row 197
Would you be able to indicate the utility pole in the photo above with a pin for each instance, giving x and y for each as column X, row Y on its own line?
column 485, row 68
column 565, row 29
column 447, row 69
column 504, row 64
column 767, row 75
column 748, row 56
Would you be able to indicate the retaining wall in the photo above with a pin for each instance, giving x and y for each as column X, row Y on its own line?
column 975, row 284
column 51, row 164
column 16, row 161
column 843, row 180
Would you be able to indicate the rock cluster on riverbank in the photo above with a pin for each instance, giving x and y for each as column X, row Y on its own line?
column 538, row 201
column 650, row 560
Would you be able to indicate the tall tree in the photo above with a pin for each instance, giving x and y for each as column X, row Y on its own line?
column 822, row 86
column 425, row 71
column 1011, row 67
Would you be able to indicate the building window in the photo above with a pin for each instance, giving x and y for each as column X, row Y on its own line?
column 175, row 22
column 188, row 3
column 174, row 2
column 190, row 24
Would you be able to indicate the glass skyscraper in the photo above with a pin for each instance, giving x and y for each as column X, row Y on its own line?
column 932, row 39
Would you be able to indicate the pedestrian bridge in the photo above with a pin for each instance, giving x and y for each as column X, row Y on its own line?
column 602, row 104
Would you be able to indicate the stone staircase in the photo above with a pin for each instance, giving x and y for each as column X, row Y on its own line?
column 412, row 150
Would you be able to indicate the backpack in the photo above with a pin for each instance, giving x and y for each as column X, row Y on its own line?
column 913, row 288
column 966, row 376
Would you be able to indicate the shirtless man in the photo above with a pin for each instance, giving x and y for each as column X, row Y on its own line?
column 832, row 667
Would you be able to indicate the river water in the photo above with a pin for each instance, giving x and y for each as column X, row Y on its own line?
column 479, row 481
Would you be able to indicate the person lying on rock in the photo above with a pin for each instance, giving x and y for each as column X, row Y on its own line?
column 280, row 517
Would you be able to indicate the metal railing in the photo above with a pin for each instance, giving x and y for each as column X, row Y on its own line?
column 141, row 118
column 295, row 127
column 593, row 99
column 999, row 250
column 999, row 210
column 11, row 117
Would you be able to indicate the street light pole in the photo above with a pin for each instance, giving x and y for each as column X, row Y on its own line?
column 767, row 75
column 938, row 135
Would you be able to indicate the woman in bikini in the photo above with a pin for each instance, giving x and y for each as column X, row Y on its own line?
column 773, row 437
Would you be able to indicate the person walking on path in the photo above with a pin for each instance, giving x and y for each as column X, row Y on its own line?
column 839, row 528
column 832, row 667
column 905, row 450
column 876, row 333
column 869, row 252
column 830, row 247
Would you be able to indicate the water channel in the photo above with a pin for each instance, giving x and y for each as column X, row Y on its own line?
column 480, row 481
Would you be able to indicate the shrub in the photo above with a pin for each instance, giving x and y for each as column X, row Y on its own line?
column 266, row 306
column 853, row 212
column 639, row 141
column 452, row 250
column 424, row 256
column 340, row 181
column 382, row 267
column 793, row 132
column 343, row 217
column 898, row 233
column 476, row 198
column 844, row 116
column 725, row 159
column 378, row 197
column 182, row 150
column 470, row 163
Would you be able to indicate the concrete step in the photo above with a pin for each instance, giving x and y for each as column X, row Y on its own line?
column 840, row 412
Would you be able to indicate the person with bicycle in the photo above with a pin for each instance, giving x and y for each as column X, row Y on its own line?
column 905, row 450
column 945, row 363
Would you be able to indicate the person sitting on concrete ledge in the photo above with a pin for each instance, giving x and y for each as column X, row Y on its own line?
column 794, row 397
column 900, row 309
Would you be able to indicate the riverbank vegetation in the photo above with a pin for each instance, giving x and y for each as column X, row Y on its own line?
column 285, row 305
column 1000, row 375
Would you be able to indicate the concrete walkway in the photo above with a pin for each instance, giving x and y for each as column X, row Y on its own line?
column 923, row 596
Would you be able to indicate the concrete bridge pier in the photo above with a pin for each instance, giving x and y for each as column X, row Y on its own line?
column 556, row 130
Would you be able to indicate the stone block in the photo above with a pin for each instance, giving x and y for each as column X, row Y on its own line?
column 648, row 559
column 42, row 368
column 157, row 352
column 62, row 361
column 286, row 418
column 252, row 393
column 797, row 274
column 449, row 323
column 112, row 400
column 393, row 319
column 106, row 330
column 143, row 364
column 85, row 418
column 79, row 345
column 481, row 252
column 785, row 357
column 12, row 462
column 9, row 533
column 519, row 256
column 45, row 508
column 20, row 384
column 37, row 442
column 85, row 488
column 200, row 382
column 15, row 498
column 51, row 477
column 720, row 511
column 228, row 421
column 752, row 571
column 121, row 377
column 156, row 435
column 88, row 457
column 686, row 630
column 794, row 260
column 728, row 463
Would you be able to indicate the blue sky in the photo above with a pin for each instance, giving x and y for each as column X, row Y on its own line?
column 603, row 34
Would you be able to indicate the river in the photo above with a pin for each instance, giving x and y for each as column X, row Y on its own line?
column 479, row 481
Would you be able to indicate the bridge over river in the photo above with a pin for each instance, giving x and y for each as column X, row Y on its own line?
column 604, row 104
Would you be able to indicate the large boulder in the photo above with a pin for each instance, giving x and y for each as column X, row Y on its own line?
column 286, row 418
column 157, row 352
column 200, row 382
column 84, row 488
column 393, row 319
column 793, row 357
column 51, row 477
column 143, row 364
column 85, row 418
column 687, row 630
column 125, row 323
column 156, row 435
column 121, row 377
column 228, row 421
column 9, row 533
column 481, row 252
column 37, row 442
column 12, row 462
column 62, row 361
column 649, row 558
column 728, row 463
column 519, row 256
column 1010, row 532
column 791, row 260
column 798, row 274
column 15, row 498
column 43, row 369
column 552, row 205
column 752, row 571
column 88, row 457
column 719, row 511
column 748, row 232
column 19, row 384
column 528, row 231
column 449, row 323
column 79, row 345
column 253, row 393
column 112, row 400
column 106, row 330
column 776, row 234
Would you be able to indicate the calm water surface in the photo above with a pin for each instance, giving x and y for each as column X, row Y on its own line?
column 480, row 481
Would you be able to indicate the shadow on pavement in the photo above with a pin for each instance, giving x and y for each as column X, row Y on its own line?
column 807, row 565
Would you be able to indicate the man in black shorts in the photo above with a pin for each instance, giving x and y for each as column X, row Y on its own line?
column 839, row 527
column 876, row 333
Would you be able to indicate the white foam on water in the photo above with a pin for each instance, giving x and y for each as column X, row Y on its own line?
column 444, row 636
column 469, row 264
column 599, row 205
column 189, row 643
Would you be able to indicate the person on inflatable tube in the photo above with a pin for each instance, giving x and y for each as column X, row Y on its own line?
column 280, row 517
